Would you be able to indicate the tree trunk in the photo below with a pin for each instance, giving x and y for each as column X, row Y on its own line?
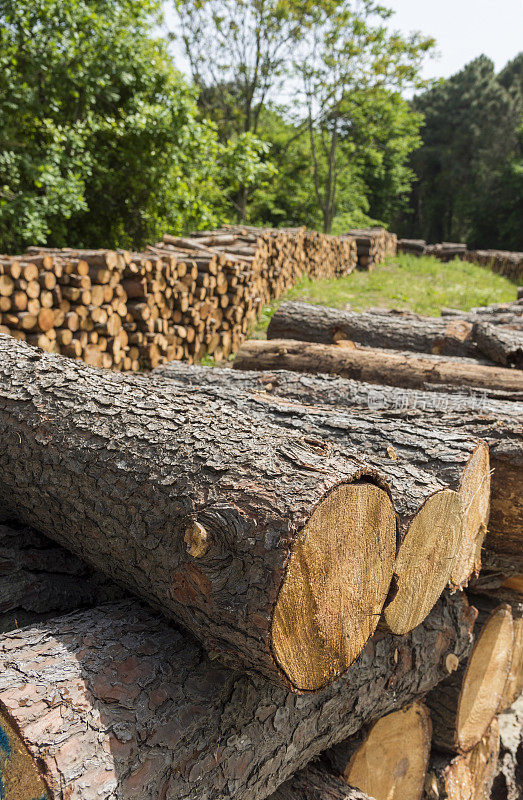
column 499, row 423
column 317, row 783
column 38, row 578
column 500, row 344
column 508, row 784
column 139, row 711
column 389, row 759
column 308, row 323
column 398, row 449
column 388, row 367
column 467, row 776
column 224, row 525
column 464, row 705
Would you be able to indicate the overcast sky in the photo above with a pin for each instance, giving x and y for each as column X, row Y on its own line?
column 463, row 29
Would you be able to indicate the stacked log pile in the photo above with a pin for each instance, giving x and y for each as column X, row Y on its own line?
column 304, row 545
column 374, row 245
column 504, row 262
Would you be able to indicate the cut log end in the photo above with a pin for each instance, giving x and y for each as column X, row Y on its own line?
column 485, row 678
column 392, row 761
column 425, row 560
column 20, row 778
column 475, row 495
column 337, row 580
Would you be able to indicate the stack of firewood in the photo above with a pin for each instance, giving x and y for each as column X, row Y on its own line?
column 304, row 544
column 374, row 245
column 505, row 262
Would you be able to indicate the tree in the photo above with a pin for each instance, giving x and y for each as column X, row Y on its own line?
column 100, row 141
column 346, row 58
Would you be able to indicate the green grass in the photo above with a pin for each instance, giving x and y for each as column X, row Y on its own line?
column 421, row 284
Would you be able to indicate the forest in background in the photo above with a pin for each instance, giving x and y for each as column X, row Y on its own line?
column 291, row 113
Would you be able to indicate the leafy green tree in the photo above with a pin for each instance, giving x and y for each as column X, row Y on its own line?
column 100, row 140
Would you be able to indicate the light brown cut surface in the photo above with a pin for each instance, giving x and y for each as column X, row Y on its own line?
column 425, row 559
column 485, row 677
column 391, row 764
column 482, row 761
column 514, row 684
column 336, row 583
column 20, row 778
column 475, row 495
column 456, row 779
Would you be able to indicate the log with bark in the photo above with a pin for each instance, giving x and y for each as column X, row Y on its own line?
column 114, row 702
column 38, row 579
column 226, row 526
column 440, row 484
column 388, row 367
column 508, row 783
column 308, row 323
column 467, row 776
column 315, row 782
column 463, row 706
column 499, row 423
column 388, row 759
column 499, row 343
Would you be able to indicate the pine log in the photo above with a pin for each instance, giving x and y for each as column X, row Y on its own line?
column 467, row 776
column 393, row 446
column 139, row 711
column 387, row 367
column 39, row 579
column 464, row 705
column 388, row 759
column 317, row 783
column 499, row 423
column 500, row 344
column 308, row 323
column 225, row 526
column 508, row 783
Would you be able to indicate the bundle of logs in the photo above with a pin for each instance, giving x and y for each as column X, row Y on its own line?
column 229, row 584
column 504, row 262
column 374, row 245
column 180, row 299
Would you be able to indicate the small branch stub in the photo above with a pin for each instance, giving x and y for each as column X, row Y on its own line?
column 197, row 540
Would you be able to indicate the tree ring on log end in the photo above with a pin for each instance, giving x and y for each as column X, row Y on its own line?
column 425, row 560
column 20, row 778
column 485, row 678
column 336, row 582
column 475, row 493
column 392, row 761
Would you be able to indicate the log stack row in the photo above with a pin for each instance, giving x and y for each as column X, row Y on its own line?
column 504, row 262
column 305, row 545
column 374, row 245
column 180, row 299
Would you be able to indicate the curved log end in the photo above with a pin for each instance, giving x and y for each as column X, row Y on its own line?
column 425, row 560
column 514, row 685
column 20, row 778
column 475, row 495
column 337, row 580
column 392, row 761
column 485, row 678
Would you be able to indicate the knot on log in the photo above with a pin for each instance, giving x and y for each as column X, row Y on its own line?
column 197, row 540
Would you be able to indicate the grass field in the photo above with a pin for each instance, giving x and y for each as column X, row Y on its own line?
column 422, row 285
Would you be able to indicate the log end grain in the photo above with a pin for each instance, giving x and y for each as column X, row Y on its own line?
column 20, row 778
column 392, row 760
column 475, row 494
column 337, row 580
column 424, row 561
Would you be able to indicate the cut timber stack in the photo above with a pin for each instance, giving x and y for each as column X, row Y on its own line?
column 504, row 262
column 374, row 245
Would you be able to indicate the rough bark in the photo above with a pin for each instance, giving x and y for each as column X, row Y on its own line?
column 308, row 323
column 508, row 783
column 500, row 344
column 114, row 704
column 464, row 777
column 387, row 367
column 391, row 444
column 317, row 783
column 38, row 579
column 389, row 759
column 499, row 423
column 198, row 509
column 464, row 704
